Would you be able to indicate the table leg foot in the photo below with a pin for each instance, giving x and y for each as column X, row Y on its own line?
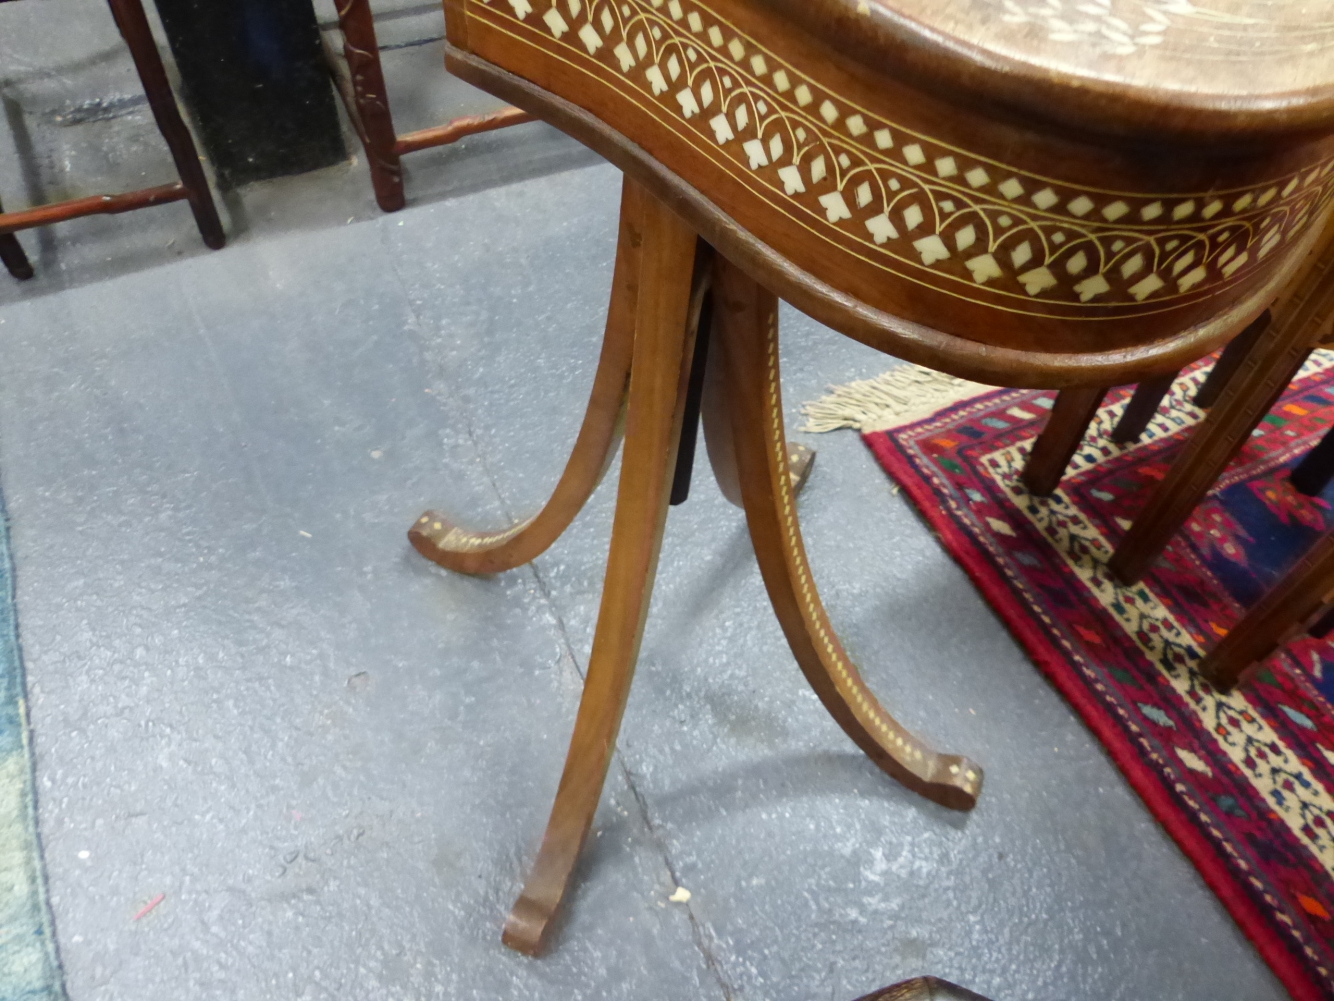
column 436, row 537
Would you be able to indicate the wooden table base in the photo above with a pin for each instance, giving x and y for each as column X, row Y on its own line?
column 663, row 271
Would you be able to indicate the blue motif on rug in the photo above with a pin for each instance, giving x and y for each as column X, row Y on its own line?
column 29, row 966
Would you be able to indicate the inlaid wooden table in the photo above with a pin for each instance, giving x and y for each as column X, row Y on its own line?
column 1049, row 194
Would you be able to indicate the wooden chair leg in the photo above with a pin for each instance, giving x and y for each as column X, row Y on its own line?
column 1315, row 471
column 437, row 538
column 1066, row 426
column 653, row 425
column 12, row 256
column 15, row 260
column 133, row 25
column 1230, row 360
column 1296, row 600
column 362, row 52
column 1302, row 315
column 1141, row 408
column 748, row 327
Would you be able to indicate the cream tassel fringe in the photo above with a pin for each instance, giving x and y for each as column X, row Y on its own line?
column 902, row 395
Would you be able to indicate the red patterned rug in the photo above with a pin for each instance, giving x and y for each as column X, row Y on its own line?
column 1243, row 782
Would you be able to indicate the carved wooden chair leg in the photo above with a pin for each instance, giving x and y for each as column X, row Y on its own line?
column 1300, row 318
column 1230, row 360
column 657, row 402
column 439, row 540
column 1297, row 600
column 133, row 24
column 748, row 326
column 370, row 99
column 1066, row 426
column 1315, row 471
column 1140, row 409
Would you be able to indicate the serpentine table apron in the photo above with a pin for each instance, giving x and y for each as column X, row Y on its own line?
column 1013, row 192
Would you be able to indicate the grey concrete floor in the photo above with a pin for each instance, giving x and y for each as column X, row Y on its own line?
column 335, row 760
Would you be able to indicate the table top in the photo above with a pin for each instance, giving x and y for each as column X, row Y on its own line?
column 1216, row 69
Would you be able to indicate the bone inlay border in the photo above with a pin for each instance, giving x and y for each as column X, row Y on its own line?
column 958, row 221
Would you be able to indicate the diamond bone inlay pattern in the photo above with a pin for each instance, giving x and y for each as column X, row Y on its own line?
column 915, row 206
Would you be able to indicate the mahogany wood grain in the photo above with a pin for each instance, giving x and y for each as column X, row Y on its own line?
column 1301, row 318
column 435, row 535
column 1298, row 599
column 653, row 426
column 1055, row 446
column 747, row 324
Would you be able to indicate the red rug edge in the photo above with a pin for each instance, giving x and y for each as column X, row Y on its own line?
column 1253, row 922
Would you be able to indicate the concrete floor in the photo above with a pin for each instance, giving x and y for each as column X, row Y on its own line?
column 335, row 760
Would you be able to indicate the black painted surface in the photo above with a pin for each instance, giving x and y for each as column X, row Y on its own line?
column 255, row 82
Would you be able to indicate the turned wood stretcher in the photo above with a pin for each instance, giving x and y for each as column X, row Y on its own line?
column 979, row 186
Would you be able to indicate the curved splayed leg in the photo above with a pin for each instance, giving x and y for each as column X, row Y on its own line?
column 663, row 348
column 437, row 538
column 747, row 324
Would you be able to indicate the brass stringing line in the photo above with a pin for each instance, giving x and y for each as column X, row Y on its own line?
column 768, row 195
column 463, row 541
column 765, row 191
column 1149, row 239
column 955, row 149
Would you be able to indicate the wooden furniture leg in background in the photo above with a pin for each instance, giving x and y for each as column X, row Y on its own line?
column 1141, row 408
column 1314, row 472
column 439, row 540
column 653, row 425
column 133, row 25
column 373, row 121
column 12, row 256
column 1056, row 445
column 1073, row 412
column 1300, row 319
column 1297, row 600
column 366, row 99
column 1230, row 360
column 747, row 324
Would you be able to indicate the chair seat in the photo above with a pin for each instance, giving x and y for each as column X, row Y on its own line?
column 1216, row 70
column 1006, row 248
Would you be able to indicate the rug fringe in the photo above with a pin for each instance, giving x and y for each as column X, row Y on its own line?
column 904, row 394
